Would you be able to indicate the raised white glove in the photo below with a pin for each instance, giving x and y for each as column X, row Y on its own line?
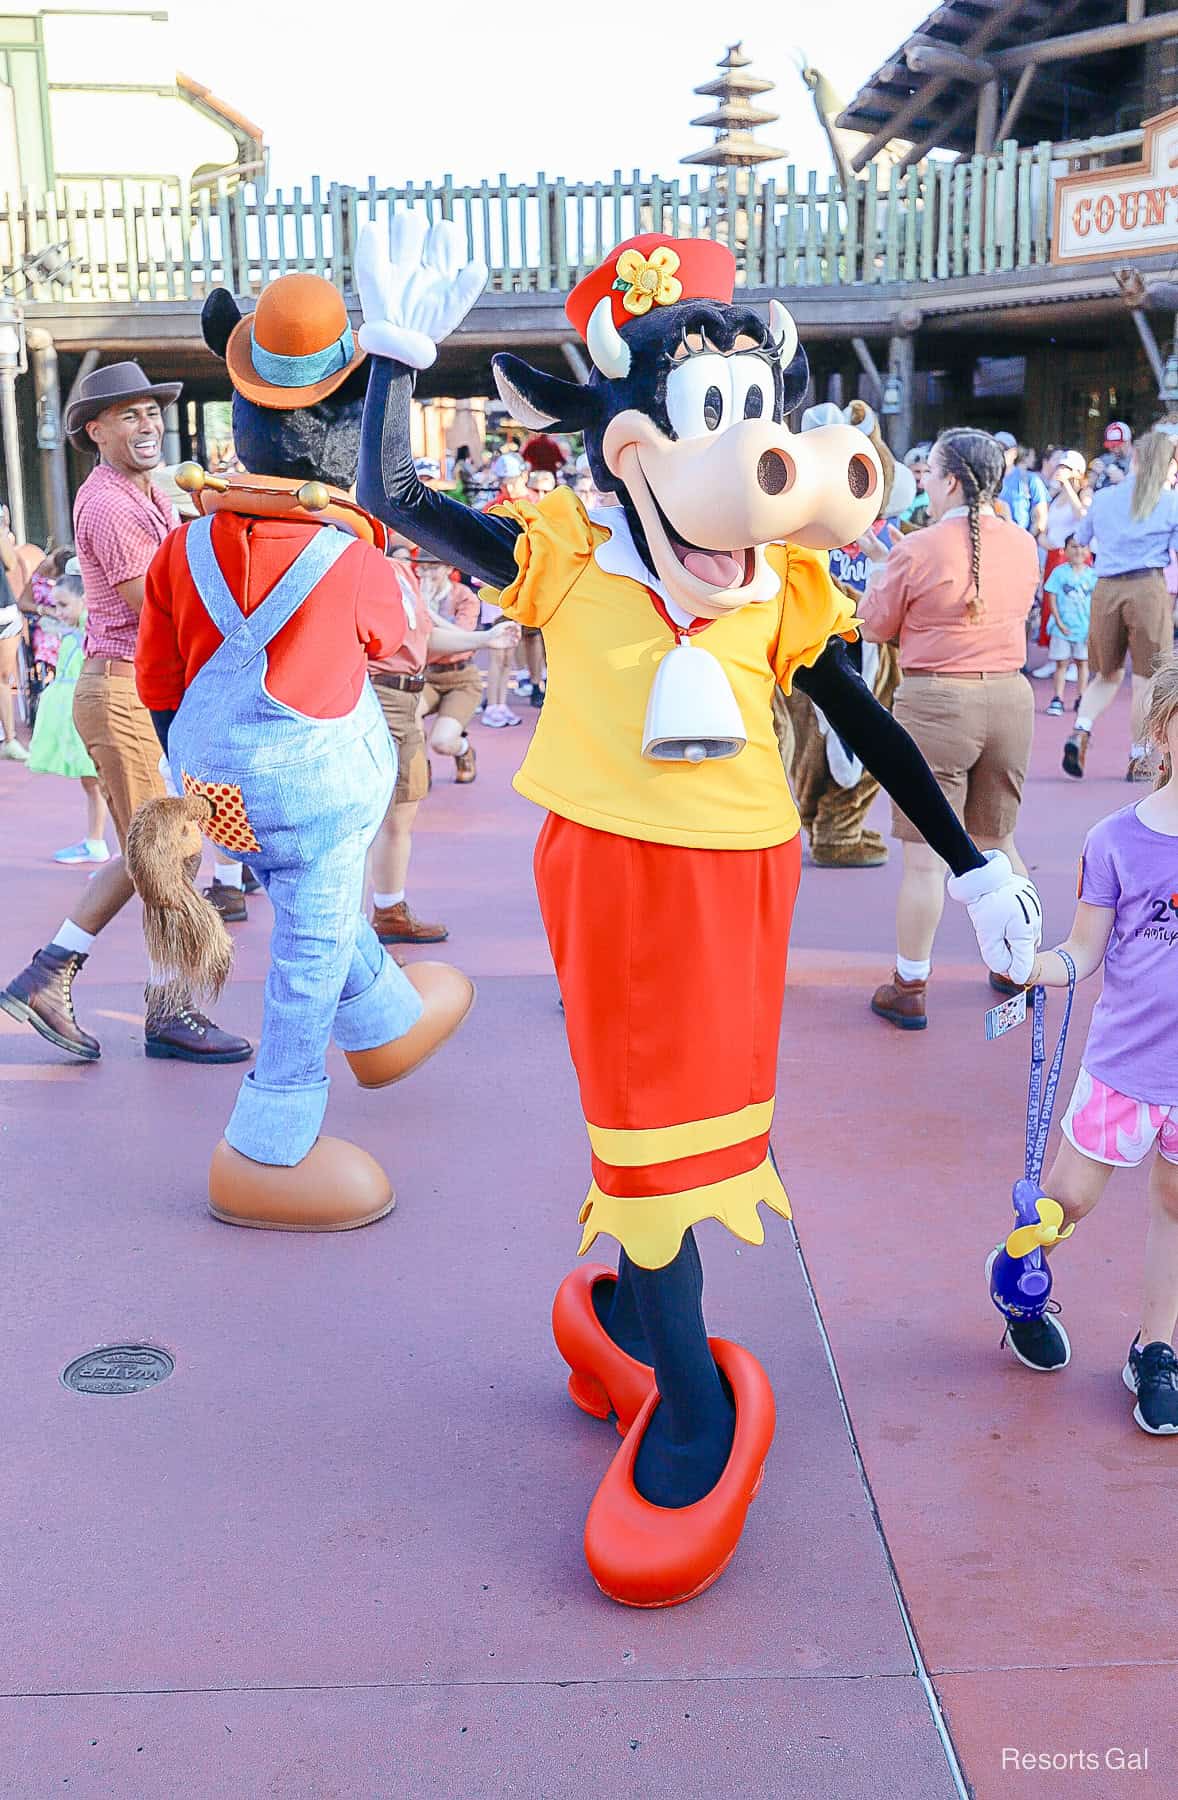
column 1005, row 912
column 414, row 287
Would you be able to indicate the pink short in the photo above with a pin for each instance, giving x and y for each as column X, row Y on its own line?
column 1111, row 1128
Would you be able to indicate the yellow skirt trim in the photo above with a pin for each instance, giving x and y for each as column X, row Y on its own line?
column 650, row 1230
column 667, row 1143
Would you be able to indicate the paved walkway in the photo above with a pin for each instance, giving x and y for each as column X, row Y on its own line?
column 338, row 1552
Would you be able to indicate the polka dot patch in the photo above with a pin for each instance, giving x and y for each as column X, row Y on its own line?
column 229, row 827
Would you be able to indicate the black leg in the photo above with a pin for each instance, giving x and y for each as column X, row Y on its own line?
column 689, row 1438
column 617, row 1308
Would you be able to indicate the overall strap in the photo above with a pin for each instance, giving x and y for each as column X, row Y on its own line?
column 246, row 638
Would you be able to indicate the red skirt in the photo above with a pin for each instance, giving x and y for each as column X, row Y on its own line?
column 671, row 963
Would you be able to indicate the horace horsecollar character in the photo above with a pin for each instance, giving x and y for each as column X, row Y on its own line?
column 259, row 621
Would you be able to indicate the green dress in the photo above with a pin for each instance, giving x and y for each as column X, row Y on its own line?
column 56, row 748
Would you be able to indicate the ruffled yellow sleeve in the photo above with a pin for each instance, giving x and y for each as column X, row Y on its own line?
column 551, row 551
column 813, row 610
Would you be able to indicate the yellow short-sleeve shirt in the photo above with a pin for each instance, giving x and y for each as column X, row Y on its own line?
column 604, row 640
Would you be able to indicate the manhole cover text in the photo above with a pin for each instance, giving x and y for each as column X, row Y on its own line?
column 119, row 1369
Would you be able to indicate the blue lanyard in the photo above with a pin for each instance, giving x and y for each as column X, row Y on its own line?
column 1039, row 1111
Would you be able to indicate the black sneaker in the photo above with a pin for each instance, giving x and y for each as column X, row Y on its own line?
column 1040, row 1344
column 1152, row 1374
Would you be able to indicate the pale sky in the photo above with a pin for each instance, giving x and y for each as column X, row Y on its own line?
column 415, row 89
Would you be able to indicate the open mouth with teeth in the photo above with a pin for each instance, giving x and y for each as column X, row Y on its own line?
column 720, row 569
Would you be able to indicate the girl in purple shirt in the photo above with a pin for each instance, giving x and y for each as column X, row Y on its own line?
column 1125, row 1102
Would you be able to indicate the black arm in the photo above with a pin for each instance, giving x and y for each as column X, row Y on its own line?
column 885, row 749
column 388, row 486
column 163, row 724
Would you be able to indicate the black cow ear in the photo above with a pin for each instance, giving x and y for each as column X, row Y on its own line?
column 219, row 314
column 539, row 401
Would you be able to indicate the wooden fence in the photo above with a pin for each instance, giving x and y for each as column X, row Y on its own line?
column 137, row 241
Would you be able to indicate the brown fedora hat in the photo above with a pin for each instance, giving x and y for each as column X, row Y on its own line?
column 111, row 386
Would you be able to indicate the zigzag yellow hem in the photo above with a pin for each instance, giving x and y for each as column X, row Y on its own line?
column 650, row 1230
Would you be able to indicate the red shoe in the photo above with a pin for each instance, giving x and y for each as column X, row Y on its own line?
column 604, row 1378
column 644, row 1555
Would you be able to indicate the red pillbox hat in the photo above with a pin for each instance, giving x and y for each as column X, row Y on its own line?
column 653, row 270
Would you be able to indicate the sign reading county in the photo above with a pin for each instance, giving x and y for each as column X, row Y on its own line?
column 1132, row 208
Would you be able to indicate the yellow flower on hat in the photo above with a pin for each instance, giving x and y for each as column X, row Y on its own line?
column 648, row 280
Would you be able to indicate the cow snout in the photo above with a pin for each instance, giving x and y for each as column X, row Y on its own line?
column 776, row 472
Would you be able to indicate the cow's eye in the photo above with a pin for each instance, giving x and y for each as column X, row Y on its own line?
column 699, row 396
column 752, row 388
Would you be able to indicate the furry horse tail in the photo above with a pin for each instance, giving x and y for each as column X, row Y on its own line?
column 188, row 947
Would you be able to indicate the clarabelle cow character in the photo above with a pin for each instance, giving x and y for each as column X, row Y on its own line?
column 668, row 864
column 258, row 623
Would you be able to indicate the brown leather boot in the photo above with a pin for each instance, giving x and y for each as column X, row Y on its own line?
column 188, row 1036
column 464, row 765
column 397, row 925
column 902, row 1003
column 229, row 901
column 1075, row 749
column 42, row 996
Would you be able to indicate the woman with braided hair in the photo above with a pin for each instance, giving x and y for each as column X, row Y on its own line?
column 956, row 596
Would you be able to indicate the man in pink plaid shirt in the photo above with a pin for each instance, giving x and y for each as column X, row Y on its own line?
column 120, row 520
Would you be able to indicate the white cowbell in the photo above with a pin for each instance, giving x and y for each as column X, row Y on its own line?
column 692, row 715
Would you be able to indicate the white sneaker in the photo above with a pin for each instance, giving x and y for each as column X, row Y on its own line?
column 12, row 750
column 85, row 852
column 1042, row 674
column 1073, row 673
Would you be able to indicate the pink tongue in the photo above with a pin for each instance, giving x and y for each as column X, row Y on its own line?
column 716, row 567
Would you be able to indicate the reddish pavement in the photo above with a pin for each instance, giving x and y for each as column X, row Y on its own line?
column 338, row 1552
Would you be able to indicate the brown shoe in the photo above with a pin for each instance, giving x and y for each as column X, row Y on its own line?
column 1075, row 749
column 464, row 765
column 1142, row 768
column 397, row 925
column 229, row 902
column 42, row 996
column 902, row 1003
column 1002, row 984
column 447, row 996
column 867, row 852
column 187, row 1036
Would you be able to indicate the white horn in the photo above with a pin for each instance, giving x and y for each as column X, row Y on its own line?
column 606, row 345
column 784, row 330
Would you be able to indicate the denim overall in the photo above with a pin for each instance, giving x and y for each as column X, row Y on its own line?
column 314, row 792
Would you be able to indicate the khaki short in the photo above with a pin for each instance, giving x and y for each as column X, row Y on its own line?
column 453, row 694
column 401, row 716
column 975, row 735
column 117, row 731
column 1131, row 615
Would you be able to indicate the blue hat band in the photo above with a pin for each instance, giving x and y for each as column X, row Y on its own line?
column 302, row 371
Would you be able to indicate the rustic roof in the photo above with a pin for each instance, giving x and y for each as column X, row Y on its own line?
column 1065, row 100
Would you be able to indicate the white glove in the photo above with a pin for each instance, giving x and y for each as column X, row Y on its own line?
column 1005, row 912
column 170, row 787
column 415, row 288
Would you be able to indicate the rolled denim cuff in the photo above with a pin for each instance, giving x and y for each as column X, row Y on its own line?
column 276, row 1125
column 383, row 1011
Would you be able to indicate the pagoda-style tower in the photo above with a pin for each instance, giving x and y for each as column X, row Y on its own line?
column 735, row 118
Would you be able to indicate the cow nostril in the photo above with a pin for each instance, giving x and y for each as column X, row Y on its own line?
column 775, row 472
column 861, row 477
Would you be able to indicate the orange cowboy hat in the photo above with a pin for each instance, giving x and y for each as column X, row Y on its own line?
column 296, row 347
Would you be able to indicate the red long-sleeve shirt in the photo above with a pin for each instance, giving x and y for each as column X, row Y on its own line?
column 317, row 662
